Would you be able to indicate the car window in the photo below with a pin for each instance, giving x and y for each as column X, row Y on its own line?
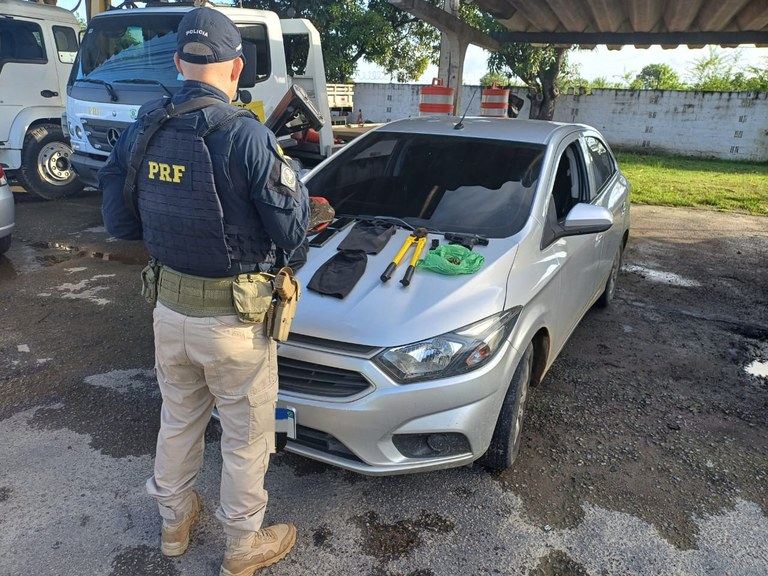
column 445, row 183
column 601, row 164
column 21, row 41
column 66, row 43
column 568, row 184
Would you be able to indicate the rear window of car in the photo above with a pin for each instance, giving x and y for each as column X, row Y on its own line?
column 444, row 183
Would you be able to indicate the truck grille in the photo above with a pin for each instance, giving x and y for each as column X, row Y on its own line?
column 318, row 380
column 103, row 134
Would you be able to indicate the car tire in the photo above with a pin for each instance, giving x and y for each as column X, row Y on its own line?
column 610, row 285
column 505, row 443
column 46, row 170
column 5, row 244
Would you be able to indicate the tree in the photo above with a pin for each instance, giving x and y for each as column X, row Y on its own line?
column 491, row 78
column 538, row 68
column 351, row 30
column 716, row 71
column 758, row 81
column 657, row 77
column 601, row 82
column 721, row 71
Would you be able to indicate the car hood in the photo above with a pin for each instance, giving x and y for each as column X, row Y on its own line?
column 377, row 313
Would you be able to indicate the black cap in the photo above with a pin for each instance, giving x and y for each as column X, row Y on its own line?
column 218, row 35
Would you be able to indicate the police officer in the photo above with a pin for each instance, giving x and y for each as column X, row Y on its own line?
column 215, row 204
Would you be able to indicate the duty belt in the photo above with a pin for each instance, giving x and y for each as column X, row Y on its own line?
column 195, row 295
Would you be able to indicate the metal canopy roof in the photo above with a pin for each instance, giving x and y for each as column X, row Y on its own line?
column 641, row 23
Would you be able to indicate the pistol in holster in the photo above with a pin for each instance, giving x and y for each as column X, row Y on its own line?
column 287, row 292
column 150, row 277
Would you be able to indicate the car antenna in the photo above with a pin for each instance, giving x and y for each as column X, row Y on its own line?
column 460, row 125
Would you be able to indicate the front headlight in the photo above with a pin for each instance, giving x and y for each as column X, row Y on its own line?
column 449, row 354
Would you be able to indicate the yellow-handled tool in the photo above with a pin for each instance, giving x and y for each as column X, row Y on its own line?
column 419, row 236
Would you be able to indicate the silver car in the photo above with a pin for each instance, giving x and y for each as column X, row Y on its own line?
column 7, row 213
column 432, row 371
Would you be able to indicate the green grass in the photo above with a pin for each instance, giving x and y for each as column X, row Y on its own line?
column 713, row 184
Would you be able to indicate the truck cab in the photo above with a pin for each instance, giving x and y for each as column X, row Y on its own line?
column 126, row 59
column 38, row 44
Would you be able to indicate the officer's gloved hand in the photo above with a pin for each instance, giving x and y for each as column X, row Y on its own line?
column 321, row 214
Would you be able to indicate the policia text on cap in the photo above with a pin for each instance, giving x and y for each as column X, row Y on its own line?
column 217, row 206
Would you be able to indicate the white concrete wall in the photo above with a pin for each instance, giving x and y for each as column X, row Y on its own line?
column 727, row 125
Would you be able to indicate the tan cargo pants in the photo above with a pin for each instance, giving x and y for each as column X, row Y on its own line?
column 199, row 362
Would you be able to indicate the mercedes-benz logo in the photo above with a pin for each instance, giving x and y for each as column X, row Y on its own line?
column 113, row 134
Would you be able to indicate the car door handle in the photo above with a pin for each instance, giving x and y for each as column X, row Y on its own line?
column 48, row 94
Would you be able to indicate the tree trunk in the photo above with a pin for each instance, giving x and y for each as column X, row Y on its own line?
column 543, row 102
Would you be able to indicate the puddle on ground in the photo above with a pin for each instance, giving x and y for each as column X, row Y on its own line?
column 758, row 368
column 33, row 256
column 659, row 276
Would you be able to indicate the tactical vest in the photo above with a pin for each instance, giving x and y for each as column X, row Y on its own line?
column 179, row 204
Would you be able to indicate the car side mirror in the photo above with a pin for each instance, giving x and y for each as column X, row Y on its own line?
column 587, row 219
column 581, row 219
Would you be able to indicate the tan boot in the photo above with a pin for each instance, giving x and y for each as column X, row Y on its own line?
column 174, row 538
column 246, row 554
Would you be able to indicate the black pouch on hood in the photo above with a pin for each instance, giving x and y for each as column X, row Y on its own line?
column 339, row 274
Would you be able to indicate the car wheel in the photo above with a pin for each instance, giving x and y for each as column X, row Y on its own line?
column 5, row 244
column 505, row 443
column 610, row 285
column 46, row 169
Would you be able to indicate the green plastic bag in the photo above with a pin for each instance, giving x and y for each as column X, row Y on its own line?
column 452, row 259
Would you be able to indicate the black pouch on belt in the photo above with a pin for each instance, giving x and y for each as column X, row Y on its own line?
column 252, row 295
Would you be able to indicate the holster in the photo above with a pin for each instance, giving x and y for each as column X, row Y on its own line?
column 283, row 309
column 150, row 276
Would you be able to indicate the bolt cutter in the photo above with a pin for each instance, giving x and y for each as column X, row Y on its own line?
column 419, row 236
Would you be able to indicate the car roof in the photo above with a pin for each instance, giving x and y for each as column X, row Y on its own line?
column 529, row 131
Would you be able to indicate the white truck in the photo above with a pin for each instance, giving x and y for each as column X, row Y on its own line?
column 126, row 59
column 38, row 44
column 340, row 101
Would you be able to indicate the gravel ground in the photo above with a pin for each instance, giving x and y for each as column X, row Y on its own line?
column 645, row 448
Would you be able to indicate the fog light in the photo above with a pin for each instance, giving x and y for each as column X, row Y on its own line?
column 431, row 445
column 79, row 132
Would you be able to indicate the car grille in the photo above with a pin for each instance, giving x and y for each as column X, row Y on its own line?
column 318, row 380
column 322, row 442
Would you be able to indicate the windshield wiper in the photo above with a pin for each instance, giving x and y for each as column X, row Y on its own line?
column 142, row 81
column 107, row 85
column 393, row 219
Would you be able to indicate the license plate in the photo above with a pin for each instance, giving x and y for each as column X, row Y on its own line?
column 285, row 421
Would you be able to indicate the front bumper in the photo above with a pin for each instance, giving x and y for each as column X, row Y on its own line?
column 362, row 432
column 87, row 168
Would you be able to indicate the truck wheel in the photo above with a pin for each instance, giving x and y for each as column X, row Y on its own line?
column 45, row 166
column 505, row 443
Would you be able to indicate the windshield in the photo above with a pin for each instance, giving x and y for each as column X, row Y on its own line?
column 444, row 183
column 127, row 47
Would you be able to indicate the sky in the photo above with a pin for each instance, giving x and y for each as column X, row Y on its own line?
column 600, row 62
